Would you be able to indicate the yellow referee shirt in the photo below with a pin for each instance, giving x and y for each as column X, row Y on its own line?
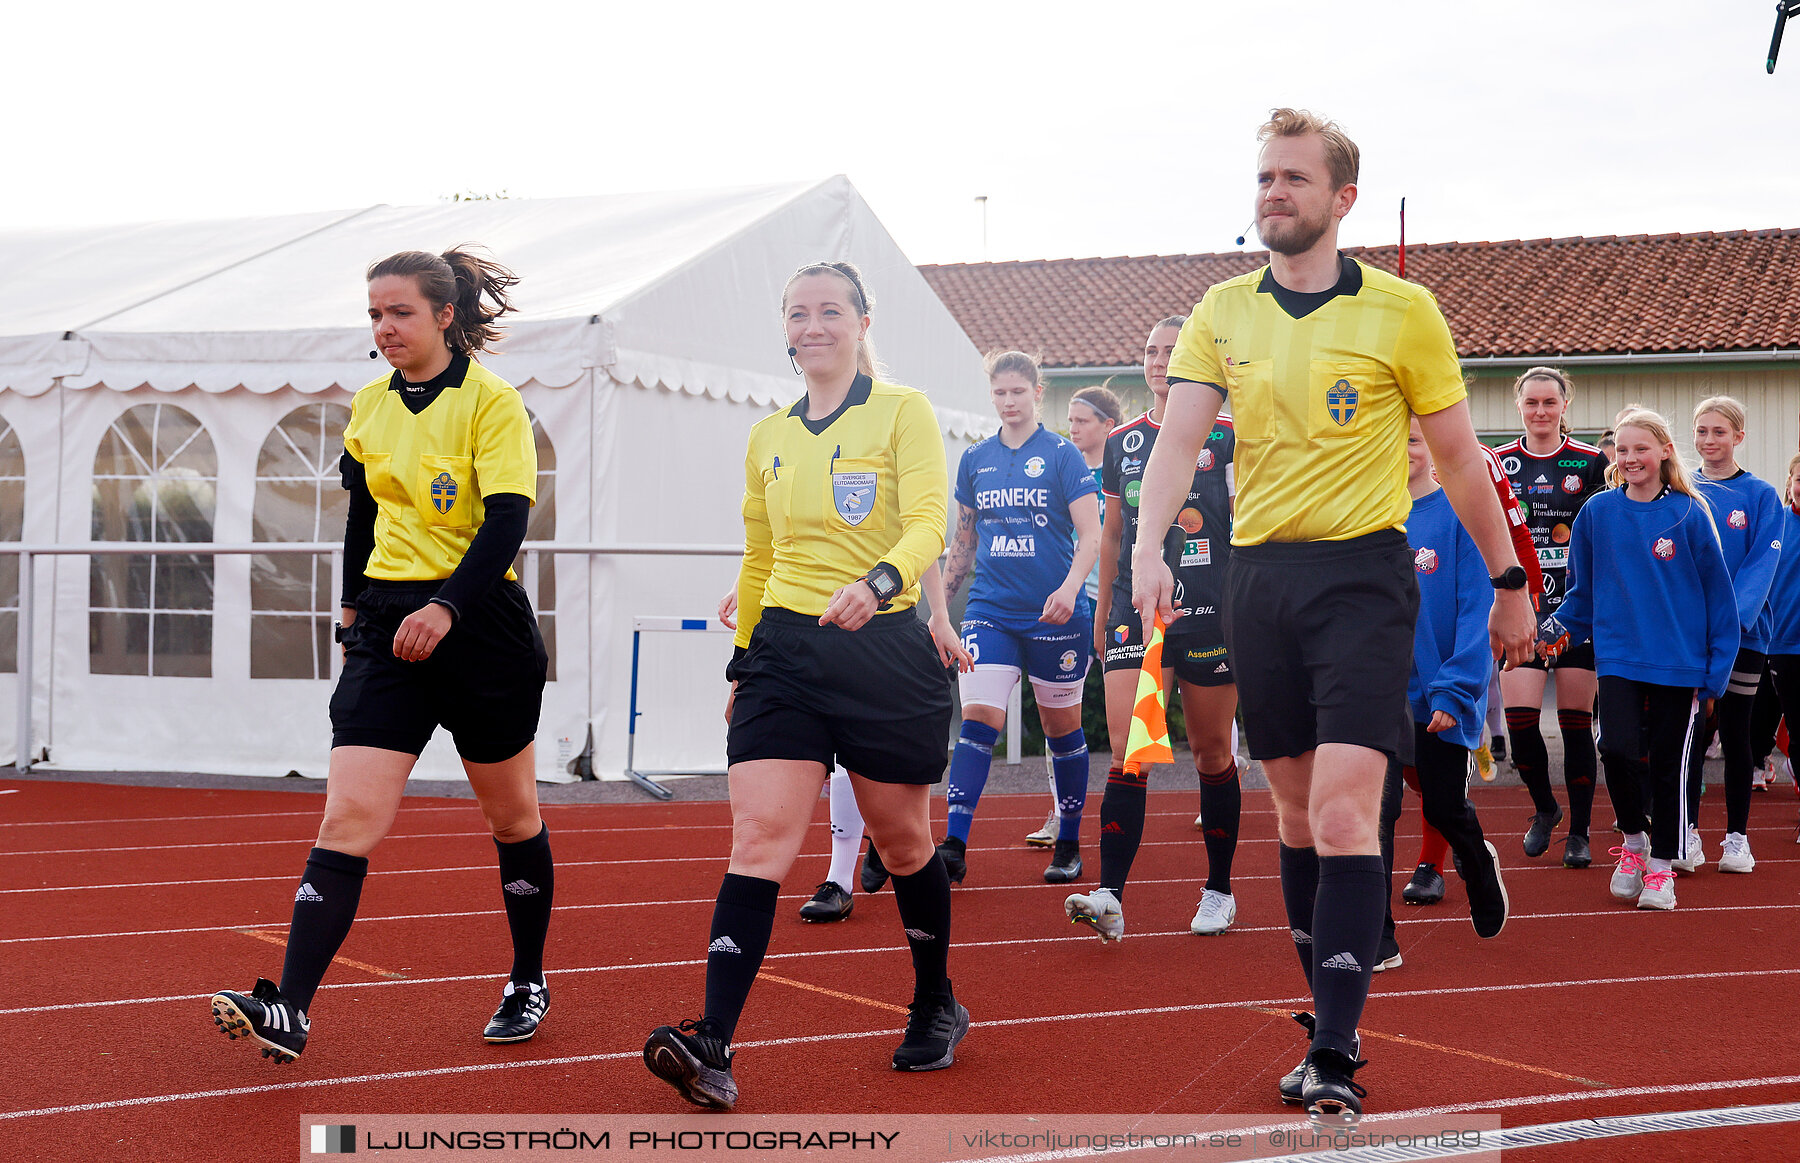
column 428, row 473
column 826, row 500
column 1321, row 403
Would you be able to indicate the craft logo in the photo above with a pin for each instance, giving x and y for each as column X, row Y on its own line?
column 443, row 492
column 1206, row 460
column 1133, row 441
column 1426, row 560
column 1341, row 402
column 1665, row 548
column 1068, row 660
column 1737, row 520
column 1571, row 484
column 1034, row 467
column 333, row 1140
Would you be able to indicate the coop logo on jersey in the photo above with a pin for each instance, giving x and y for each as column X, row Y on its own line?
column 1425, row 560
column 1571, row 484
column 1340, row 401
column 1206, row 460
column 443, row 492
column 1004, row 546
column 1067, row 661
column 1034, row 467
column 1738, row 519
column 1664, row 548
column 1133, row 441
column 854, row 495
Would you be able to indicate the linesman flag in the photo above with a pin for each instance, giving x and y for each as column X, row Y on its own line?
column 1149, row 739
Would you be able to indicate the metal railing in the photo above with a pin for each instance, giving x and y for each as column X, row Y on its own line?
column 28, row 555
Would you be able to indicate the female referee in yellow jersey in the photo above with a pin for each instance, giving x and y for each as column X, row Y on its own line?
column 845, row 498
column 442, row 470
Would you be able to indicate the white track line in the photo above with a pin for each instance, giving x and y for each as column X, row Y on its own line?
column 569, row 1060
column 1445, row 991
column 1546, row 867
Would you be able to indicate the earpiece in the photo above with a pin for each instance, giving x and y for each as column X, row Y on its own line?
column 792, row 352
column 371, row 355
column 1247, row 230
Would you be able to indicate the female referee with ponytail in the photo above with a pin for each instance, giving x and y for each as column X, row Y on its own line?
column 845, row 496
column 442, row 470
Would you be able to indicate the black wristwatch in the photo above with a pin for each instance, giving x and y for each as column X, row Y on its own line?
column 884, row 580
column 1515, row 578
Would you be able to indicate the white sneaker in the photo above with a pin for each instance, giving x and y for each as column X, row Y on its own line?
column 1715, row 749
column 1200, row 823
column 1216, row 913
column 1759, row 778
column 1734, row 855
column 1099, row 909
column 1628, row 875
column 1696, row 854
column 1781, row 769
column 1659, row 887
column 1045, row 837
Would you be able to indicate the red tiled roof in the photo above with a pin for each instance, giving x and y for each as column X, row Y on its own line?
column 1733, row 291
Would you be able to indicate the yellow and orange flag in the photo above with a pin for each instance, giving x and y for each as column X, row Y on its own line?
column 1149, row 739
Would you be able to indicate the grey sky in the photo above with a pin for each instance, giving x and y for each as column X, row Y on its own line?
column 1120, row 128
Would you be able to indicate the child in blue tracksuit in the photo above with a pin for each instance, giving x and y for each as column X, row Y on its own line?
column 1784, row 604
column 1747, row 512
column 1447, row 692
column 1648, row 584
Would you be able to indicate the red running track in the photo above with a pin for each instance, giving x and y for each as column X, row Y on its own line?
column 122, row 909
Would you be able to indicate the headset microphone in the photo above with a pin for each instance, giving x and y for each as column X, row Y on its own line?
column 1247, row 229
column 792, row 352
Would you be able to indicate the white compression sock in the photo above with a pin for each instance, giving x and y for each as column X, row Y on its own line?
column 846, row 831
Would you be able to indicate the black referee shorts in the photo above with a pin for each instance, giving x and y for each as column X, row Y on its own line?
column 875, row 700
column 1574, row 658
column 485, row 680
column 1321, row 640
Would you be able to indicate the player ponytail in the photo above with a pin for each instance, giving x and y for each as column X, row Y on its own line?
column 861, row 302
column 475, row 287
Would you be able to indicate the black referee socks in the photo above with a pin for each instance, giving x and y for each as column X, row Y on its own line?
column 1347, row 922
column 1121, row 827
column 742, row 921
column 1222, row 807
column 923, row 898
column 324, row 906
column 1299, row 892
column 527, row 882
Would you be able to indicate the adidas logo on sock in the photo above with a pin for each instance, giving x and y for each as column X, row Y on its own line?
column 1301, row 936
column 307, row 893
column 920, row 935
column 1111, row 826
column 521, row 888
column 723, row 945
column 1342, row 960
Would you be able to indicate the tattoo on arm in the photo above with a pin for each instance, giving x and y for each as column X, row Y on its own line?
column 962, row 551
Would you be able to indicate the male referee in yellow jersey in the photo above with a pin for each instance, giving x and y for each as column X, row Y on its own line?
column 1324, row 360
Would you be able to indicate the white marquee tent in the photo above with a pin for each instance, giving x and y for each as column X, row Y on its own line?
column 181, row 382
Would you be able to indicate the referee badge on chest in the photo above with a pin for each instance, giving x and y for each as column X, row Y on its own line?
column 443, row 492
column 1340, row 401
column 853, row 494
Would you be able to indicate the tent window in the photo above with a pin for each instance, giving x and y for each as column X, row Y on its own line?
column 12, row 528
column 155, row 477
column 299, row 497
column 541, row 526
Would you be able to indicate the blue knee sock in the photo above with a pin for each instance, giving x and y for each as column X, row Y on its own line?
column 1069, row 762
column 968, row 774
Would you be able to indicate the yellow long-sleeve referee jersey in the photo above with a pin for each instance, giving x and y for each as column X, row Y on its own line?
column 1321, row 404
column 429, row 472
column 826, row 500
